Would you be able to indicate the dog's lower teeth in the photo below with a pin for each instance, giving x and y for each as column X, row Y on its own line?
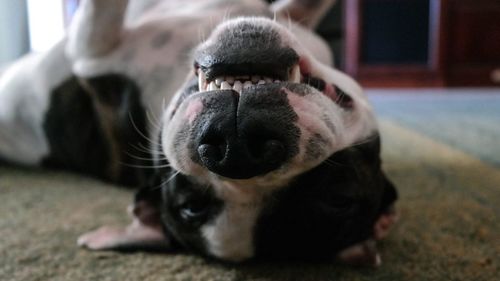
column 295, row 74
column 238, row 83
column 247, row 84
column 212, row 86
column 218, row 81
column 225, row 86
column 237, row 86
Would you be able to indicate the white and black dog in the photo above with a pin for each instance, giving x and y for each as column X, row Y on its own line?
column 260, row 148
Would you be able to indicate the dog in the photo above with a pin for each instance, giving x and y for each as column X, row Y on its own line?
column 244, row 140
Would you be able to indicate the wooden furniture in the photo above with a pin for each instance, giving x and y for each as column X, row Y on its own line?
column 422, row 43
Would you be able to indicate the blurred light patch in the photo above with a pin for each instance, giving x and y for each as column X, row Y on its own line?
column 46, row 23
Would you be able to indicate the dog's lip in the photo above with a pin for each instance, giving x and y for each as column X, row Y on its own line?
column 240, row 82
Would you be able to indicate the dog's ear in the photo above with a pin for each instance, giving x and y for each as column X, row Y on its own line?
column 145, row 233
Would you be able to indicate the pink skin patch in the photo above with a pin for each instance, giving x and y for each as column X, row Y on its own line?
column 305, row 71
column 384, row 223
column 193, row 109
column 361, row 254
column 109, row 237
column 305, row 110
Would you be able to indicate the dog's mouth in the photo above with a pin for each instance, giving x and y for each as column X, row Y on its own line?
column 239, row 81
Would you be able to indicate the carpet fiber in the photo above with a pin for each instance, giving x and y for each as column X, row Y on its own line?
column 449, row 227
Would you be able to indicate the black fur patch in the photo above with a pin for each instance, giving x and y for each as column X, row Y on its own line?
column 74, row 133
column 327, row 209
column 95, row 124
column 186, row 207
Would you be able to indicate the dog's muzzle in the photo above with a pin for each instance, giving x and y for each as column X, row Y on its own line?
column 246, row 135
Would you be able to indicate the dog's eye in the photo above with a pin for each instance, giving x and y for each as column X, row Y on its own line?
column 193, row 210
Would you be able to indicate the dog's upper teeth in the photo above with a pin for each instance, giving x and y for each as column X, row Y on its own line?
column 268, row 80
column 261, row 82
column 255, row 79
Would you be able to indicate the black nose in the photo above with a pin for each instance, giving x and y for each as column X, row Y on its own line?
column 250, row 152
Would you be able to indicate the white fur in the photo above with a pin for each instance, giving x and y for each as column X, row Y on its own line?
column 24, row 100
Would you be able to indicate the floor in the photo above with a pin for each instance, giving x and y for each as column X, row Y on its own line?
column 439, row 148
column 467, row 119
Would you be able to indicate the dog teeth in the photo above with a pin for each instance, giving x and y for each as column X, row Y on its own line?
column 202, row 81
column 218, row 81
column 225, row 85
column 247, row 84
column 237, row 86
column 240, row 82
column 213, row 87
column 295, row 74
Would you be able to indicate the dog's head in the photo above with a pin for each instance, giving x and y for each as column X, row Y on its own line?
column 261, row 143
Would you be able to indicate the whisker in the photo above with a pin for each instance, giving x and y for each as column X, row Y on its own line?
column 145, row 150
column 365, row 141
column 167, row 181
column 143, row 158
column 152, row 121
column 150, row 149
column 139, row 131
column 144, row 166
column 333, row 163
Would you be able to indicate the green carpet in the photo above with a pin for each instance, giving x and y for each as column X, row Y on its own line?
column 449, row 227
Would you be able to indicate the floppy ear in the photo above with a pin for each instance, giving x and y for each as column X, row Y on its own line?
column 144, row 233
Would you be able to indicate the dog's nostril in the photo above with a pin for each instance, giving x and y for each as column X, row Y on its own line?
column 211, row 153
column 212, row 148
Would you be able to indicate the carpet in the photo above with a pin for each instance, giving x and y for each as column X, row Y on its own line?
column 449, row 227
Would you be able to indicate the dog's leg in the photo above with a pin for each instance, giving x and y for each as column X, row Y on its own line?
column 306, row 12
column 361, row 254
column 96, row 28
column 144, row 233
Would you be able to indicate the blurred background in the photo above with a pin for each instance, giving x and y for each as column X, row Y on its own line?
column 382, row 43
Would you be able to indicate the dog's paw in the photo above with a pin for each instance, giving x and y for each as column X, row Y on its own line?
column 362, row 254
column 133, row 237
column 384, row 223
